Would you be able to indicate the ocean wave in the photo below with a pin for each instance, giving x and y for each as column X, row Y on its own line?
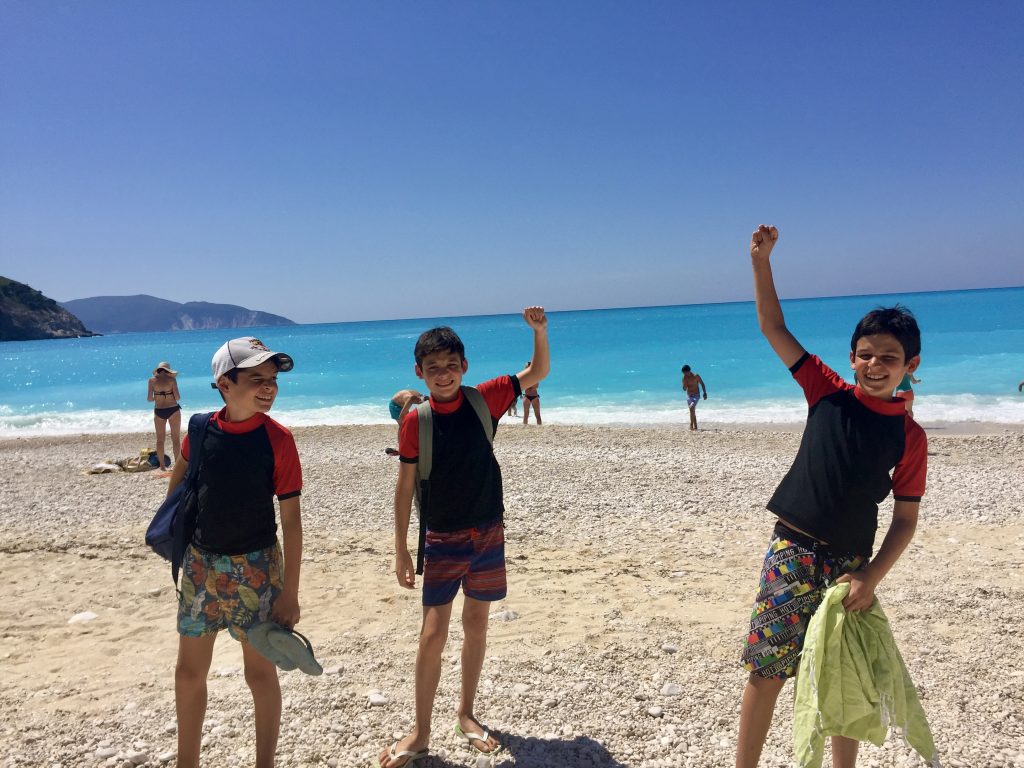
column 944, row 408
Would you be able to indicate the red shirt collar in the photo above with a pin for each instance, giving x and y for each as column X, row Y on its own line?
column 449, row 407
column 240, row 427
column 893, row 407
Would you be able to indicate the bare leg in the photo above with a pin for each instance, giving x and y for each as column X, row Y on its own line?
column 175, row 422
column 161, row 434
column 755, row 718
column 194, row 655
column 693, row 417
column 536, row 410
column 844, row 752
column 526, row 410
column 474, row 646
column 433, row 636
column 261, row 675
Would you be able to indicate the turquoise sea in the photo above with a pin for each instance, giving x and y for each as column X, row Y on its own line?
column 608, row 366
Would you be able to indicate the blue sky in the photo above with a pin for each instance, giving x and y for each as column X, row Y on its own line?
column 339, row 161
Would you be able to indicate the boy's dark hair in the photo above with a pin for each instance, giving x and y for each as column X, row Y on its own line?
column 442, row 339
column 896, row 321
column 233, row 375
column 686, row 369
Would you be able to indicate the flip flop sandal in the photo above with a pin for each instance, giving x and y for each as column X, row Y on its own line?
column 472, row 736
column 285, row 648
column 409, row 755
column 297, row 648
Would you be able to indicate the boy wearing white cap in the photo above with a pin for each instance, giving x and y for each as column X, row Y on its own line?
column 233, row 574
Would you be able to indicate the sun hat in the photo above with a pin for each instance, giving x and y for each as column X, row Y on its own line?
column 246, row 352
column 164, row 366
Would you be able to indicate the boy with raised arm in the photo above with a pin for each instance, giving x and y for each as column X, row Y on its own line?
column 465, row 543
column 827, row 504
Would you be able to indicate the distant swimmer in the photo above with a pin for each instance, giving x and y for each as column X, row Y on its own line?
column 692, row 386
column 1020, row 387
column 905, row 391
column 401, row 402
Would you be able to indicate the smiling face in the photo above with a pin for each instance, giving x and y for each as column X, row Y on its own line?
column 442, row 372
column 253, row 393
column 879, row 364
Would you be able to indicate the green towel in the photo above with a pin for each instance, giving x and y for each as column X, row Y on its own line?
column 852, row 682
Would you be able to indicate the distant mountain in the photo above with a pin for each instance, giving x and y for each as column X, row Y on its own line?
column 126, row 314
column 27, row 314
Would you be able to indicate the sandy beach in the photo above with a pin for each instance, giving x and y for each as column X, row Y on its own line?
column 633, row 557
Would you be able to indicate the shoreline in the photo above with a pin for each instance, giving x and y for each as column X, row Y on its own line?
column 931, row 428
column 632, row 555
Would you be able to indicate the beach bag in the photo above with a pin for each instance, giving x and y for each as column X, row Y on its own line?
column 175, row 521
column 426, row 455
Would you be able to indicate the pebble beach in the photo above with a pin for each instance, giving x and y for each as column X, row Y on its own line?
column 633, row 556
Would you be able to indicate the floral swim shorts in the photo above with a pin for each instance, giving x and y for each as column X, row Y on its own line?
column 229, row 592
column 797, row 571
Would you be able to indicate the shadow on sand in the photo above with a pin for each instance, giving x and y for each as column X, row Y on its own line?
column 532, row 752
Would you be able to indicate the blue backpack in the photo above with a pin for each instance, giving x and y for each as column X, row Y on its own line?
column 174, row 523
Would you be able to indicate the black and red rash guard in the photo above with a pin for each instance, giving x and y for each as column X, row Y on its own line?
column 244, row 465
column 465, row 479
column 850, row 444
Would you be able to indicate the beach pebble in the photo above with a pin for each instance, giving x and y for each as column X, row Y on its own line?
column 166, row 757
column 549, row 703
column 655, row 712
column 155, row 591
column 137, row 758
column 377, row 699
column 671, row 689
column 506, row 615
column 170, row 726
column 81, row 618
column 104, row 752
column 520, row 688
column 670, row 648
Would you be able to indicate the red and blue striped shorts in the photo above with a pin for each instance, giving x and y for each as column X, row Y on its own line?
column 472, row 557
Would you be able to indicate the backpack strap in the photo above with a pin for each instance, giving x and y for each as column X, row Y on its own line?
column 424, row 464
column 197, row 425
column 425, row 461
column 482, row 411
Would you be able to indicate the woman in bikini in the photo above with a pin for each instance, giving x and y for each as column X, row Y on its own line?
column 531, row 398
column 163, row 393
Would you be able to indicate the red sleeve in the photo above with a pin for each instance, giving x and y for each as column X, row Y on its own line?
column 908, row 478
column 287, row 469
column 816, row 378
column 409, row 437
column 499, row 393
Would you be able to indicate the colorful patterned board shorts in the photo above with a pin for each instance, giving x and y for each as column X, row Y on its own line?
column 692, row 400
column 472, row 557
column 229, row 592
column 797, row 571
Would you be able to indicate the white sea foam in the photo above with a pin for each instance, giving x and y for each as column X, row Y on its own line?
column 963, row 408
